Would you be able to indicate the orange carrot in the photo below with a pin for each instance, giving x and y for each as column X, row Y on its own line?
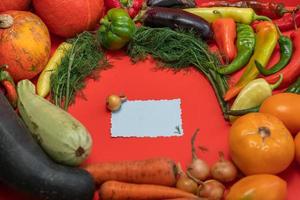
column 157, row 171
column 114, row 190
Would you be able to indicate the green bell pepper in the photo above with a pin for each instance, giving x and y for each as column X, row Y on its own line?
column 116, row 29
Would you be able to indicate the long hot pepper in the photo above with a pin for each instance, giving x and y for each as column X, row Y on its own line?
column 292, row 71
column 225, row 34
column 270, row 9
column 241, row 15
column 245, row 45
column 286, row 51
column 266, row 39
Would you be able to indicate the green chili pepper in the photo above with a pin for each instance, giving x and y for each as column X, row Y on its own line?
column 245, row 45
column 295, row 87
column 286, row 51
column 253, row 94
column 116, row 29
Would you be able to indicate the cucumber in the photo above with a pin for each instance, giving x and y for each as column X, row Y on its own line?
column 63, row 137
column 25, row 166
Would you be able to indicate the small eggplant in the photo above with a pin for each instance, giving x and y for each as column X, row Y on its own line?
column 172, row 3
column 173, row 18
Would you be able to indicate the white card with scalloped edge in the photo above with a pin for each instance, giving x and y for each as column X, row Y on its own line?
column 147, row 118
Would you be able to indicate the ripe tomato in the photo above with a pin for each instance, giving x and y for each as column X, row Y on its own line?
column 285, row 106
column 262, row 186
column 297, row 146
column 260, row 143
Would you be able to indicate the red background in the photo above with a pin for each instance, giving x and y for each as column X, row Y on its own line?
column 141, row 82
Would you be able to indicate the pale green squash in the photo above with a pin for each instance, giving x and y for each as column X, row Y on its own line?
column 61, row 136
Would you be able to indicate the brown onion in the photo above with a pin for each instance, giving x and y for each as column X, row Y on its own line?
column 185, row 183
column 223, row 170
column 211, row 190
column 114, row 102
column 199, row 169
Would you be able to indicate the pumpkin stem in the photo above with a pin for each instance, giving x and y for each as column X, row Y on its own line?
column 6, row 21
column 264, row 132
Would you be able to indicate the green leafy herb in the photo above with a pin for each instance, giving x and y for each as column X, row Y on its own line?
column 79, row 63
column 178, row 50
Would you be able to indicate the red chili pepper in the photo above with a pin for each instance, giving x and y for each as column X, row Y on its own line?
column 289, row 21
column 225, row 34
column 9, row 86
column 272, row 9
column 109, row 4
column 292, row 71
column 133, row 7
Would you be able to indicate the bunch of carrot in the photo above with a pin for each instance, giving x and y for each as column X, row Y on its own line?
column 138, row 180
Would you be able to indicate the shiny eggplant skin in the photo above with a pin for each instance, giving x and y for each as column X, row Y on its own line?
column 172, row 3
column 173, row 18
column 25, row 167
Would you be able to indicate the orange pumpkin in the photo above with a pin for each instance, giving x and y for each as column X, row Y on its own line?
column 262, row 186
column 66, row 18
column 14, row 5
column 297, row 147
column 260, row 143
column 24, row 44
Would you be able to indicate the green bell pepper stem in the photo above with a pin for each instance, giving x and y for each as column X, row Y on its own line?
column 286, row 52
column 245, row 46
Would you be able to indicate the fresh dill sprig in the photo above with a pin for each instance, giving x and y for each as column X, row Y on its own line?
column 80, row 62
column 177, row 50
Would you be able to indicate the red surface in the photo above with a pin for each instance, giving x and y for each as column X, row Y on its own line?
column 141, row 82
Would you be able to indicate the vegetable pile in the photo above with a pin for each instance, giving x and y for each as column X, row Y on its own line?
column 222, row 40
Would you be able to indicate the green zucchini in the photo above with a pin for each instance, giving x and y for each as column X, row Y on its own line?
column 61, row 136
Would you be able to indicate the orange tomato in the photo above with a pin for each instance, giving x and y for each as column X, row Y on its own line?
column 297, row 147
column 285, row 106
column 260, row 143
column 258, row 187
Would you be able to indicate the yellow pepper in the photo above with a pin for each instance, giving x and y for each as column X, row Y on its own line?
column 266, row 39
column 43, row 84
column 241, row 15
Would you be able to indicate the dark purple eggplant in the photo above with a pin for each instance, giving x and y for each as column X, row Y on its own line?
column 25, row 167
column 173, row 18
column 172, row 3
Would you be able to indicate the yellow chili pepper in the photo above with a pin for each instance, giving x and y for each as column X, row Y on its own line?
column 266, row 39
column 241, row 15
column 43, row 84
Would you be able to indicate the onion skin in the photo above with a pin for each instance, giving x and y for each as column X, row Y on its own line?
column 223, row 170
column 198, row 169
column 114, row 102
column 185, row 183
column 211, row 190
column 62, row 16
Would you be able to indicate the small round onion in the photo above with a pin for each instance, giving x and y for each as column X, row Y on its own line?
column 185, row 183
column 114, row 102
column 211, row 190
column 223, row 170
column 198, row 168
